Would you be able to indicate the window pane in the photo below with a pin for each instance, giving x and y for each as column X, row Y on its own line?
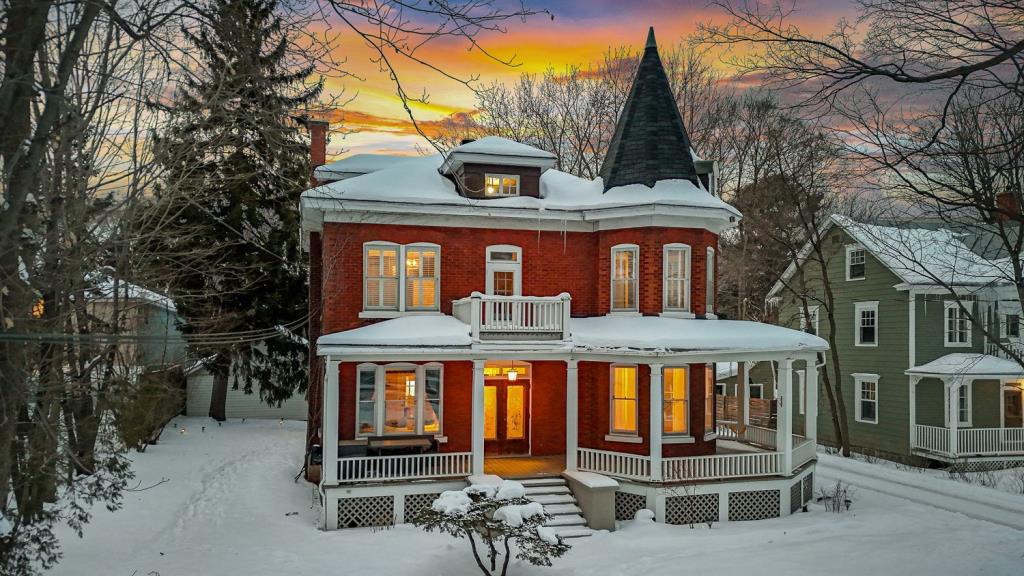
column 400, row 402
column 675, row 417
column 367, row 393
column 867, row 411
column 515, row 412
column 504, row 283
column 490, row 412
column 624, row 399
column 432, row 400
column 504, row 256
column 709, row 400
column 372, row 292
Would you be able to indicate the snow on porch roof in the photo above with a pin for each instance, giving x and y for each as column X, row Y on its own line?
column 966, row 364
column 603, row 333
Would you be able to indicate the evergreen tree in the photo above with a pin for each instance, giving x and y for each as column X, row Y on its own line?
column 235, row 162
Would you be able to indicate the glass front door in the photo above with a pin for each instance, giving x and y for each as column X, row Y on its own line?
column 507, row 416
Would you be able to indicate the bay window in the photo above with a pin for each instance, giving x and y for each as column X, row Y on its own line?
column 400, row 278
column 676, row 269
column 675, row 410
column 624, row 277
column 398, row 399
column 624, row 401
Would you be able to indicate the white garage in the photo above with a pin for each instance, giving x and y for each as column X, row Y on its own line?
column 239, row 404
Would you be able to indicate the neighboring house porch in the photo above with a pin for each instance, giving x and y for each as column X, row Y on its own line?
column 967, row 408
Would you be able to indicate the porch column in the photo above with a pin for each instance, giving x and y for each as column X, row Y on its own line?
column 478, row 416
column 656, row 415
column 913, row 410
column 572, row 411
column 784, row 420
column 743, row 384
column 811, row 397
column 952, row 386
column 329, row 472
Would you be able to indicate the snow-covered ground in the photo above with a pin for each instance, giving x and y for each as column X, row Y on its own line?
column 229, row 507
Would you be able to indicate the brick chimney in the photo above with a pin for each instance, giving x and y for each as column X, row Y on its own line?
column 317, row 146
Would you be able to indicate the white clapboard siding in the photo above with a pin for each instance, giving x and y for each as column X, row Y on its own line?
column 239, row 404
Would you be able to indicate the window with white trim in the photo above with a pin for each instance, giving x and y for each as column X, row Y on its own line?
column 865, row 323
column 956, row 325
column 675, row 409
column 709, row 399
column 399, row 399
column 676, row 270
column 624, row 277
column 501, row 185
column 380, row 276
column 866, row 388
column 812, row 325
column 756, row 390
column 709, row 291
column 1010, row 327
column 856, row 261
column 624, row 415
column 964, row 405
column 401, row 278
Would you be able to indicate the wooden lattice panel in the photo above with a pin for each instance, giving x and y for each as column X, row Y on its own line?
column 808, row 488
column 695, row 509
column 754, row 505
column 366, row 511
column 414, row 503
column 627, row 504
column 795, row 494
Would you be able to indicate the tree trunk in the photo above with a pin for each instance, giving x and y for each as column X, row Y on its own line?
column 221, row 368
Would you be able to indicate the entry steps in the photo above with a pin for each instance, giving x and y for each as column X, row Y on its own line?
column 566, row 517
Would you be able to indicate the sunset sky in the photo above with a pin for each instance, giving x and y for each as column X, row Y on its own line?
column 579, row 34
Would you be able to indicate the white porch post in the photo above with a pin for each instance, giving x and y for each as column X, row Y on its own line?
column 953, row 411
column 811, row 397
column 913, row 410
column 478, row 416
column 572, row 411
column 657, row 398
column 784, row 418
column 744, row 400
column 329, row 473
column 1002, row 405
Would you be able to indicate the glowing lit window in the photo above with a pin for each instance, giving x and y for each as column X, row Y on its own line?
column 400, row 402
column 675, row 413
column 380, row 277
column 709, row 399
column 501, row 185
column 421, row 278
column 624, row 400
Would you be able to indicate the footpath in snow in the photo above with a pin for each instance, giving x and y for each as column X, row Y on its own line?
column 229, row 507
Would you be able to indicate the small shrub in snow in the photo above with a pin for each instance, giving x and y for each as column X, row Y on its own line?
column 643, row 515
column 497, row 516
column 838, row 498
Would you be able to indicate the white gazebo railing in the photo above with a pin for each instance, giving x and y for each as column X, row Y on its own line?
column 617, row 464
column 721, row 466
column 409, row 467
column 501, row 317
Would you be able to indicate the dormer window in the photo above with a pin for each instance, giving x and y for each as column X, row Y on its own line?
column 501, row 185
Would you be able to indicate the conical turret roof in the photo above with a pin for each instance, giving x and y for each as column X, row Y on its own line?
column 650, row 141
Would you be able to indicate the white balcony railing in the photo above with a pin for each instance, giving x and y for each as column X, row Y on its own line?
column 617, row 464
column 410, row 467
column 804, row 451
column 515, row 317
column 970, row 441
column 721, row 466
column 993, row 349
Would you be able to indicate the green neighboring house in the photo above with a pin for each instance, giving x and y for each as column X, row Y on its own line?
column 910, row 357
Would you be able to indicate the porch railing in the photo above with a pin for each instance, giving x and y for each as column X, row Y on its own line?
column 503, row 316
column 721, row 466
column 411, row 467
column 614, row 463
column 931, row 438
column 752, row 434
column 990, row 441
column 993, row 349
column 804, row 451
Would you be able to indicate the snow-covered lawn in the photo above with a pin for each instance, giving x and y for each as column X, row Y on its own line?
column 230, row 507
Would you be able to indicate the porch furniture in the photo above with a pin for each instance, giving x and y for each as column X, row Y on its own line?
column 400, row 445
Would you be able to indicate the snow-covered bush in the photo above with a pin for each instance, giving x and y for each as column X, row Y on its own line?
column 499, row 516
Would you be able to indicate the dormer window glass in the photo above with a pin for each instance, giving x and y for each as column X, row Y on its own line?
column 501, row 185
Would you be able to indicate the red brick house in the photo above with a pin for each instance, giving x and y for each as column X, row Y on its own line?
column 482, row 314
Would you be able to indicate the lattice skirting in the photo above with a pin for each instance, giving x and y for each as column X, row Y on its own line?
column 795, row 494
column 627, row 504
column 366, row 511
column 693, row 509
column 754, row 505
column 414, row 503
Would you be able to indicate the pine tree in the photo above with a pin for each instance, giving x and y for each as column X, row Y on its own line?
column 235, row 162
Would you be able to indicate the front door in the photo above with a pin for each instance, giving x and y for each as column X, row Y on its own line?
column 507, row 416
column 1014, row 412
column 504, row 270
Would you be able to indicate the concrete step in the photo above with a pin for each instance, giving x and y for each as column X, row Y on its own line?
column 547, row 499
column 552, row 481
column 566, row 520
column 574, row 532
column 560, row 509
column 532, row 491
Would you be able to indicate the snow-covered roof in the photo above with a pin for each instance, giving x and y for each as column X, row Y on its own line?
column 498, row 146
column 601, row 333
column 356, row 165
column 924, row 256
column 417, row 181
column 970, row 365
column 103, row 287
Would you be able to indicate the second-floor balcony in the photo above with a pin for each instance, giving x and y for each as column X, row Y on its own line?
column 515, row 317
